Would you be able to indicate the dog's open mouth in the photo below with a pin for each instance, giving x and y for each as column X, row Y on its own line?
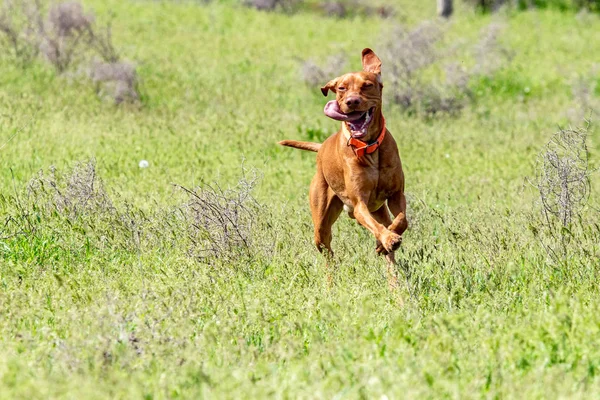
column 357, row 121
column 359, row 126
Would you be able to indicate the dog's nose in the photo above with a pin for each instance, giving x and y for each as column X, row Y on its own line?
column 353, row 101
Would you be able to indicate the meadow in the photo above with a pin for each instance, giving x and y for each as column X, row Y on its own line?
column 106, row 291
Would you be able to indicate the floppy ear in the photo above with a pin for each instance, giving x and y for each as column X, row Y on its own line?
column 370, row 61
column 329, row 86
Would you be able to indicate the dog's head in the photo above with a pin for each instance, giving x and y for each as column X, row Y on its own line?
column 358, row 95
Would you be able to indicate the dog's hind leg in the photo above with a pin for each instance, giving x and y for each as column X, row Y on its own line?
column 383, row 217
column 397, row 205
column 325, row 207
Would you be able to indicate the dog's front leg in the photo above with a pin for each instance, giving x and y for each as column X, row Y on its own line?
column 397, row 205
column 390, row 240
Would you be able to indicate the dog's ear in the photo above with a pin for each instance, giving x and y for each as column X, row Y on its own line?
column 329, row 86
column 370, row 61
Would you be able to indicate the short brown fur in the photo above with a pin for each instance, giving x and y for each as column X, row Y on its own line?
column 370, row 186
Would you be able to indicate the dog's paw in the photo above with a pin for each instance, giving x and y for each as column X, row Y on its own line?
column 379, row 249
column 391, row 241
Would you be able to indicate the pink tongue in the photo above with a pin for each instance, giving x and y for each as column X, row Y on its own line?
column 332, row 110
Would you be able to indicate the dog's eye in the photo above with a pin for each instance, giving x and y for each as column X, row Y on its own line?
column 368, row 85
column 341, row 89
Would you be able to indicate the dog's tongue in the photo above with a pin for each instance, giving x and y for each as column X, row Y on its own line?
column 332, row 110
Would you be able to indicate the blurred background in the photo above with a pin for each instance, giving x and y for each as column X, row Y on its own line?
column 156, row 242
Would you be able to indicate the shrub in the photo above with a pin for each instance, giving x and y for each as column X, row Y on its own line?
column 218, row 226
column 334, row 9
column 346, row 9
column 222, row 224
column 117, row 79
column 563, row 5
column 490, row 55
column 412, row 57
column 337, row 9
column 19, row 27
column 67, row 36
column 271, row 5
column 63, row 33
column 74, row 194
column 408, row 53
column 563, row 184
column 66, row 19
column 583, row 90
column 77, row 202
column 314, row 74
column 486, row 5
column 563, row 175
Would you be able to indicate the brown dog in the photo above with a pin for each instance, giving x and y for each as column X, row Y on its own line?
column 358, row 168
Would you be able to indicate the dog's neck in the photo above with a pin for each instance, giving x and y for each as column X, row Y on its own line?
column 373, row 131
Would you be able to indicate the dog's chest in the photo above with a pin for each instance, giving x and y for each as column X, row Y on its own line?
column 372, row 183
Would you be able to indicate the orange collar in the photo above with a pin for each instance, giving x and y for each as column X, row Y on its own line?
column 360, row 147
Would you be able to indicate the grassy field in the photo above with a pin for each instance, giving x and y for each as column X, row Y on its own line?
column 106, row 301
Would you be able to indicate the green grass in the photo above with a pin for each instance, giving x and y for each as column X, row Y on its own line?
column 85, row 312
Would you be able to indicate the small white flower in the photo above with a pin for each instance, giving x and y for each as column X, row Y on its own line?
column 447, row 155
column 373, row 380
column 527, row 90
column 144, row 164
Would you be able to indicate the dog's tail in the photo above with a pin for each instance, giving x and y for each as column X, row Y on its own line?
column 310, row 146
